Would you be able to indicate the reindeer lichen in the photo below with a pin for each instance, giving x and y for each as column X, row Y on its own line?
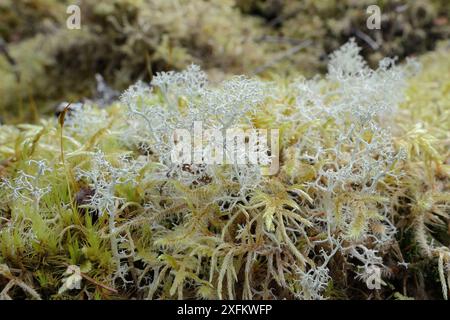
column 99, row 209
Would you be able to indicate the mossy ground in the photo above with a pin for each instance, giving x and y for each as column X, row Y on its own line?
column 185, row 246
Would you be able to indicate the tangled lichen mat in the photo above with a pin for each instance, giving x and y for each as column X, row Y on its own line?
column 194, row 167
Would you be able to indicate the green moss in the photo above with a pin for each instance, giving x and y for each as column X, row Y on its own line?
column 180, row 241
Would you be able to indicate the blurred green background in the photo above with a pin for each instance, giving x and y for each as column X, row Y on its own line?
column 43, row 63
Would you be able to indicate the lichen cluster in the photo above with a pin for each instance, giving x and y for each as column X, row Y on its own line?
column 92, row 207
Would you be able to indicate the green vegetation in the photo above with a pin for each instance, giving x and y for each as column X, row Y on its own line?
column 91, row 206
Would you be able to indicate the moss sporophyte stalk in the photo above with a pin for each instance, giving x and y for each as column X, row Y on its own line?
column 126, row 201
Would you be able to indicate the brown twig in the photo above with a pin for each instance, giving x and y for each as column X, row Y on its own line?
column 282, row 56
